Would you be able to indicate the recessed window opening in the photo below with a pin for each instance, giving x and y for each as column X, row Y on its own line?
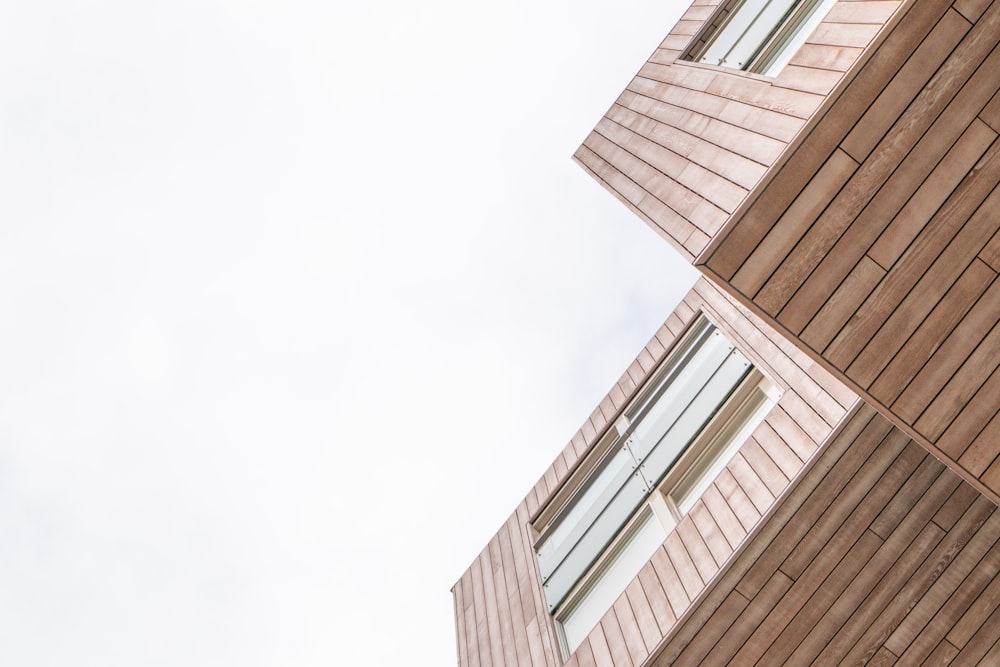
column 762, row 35
column 650, row 468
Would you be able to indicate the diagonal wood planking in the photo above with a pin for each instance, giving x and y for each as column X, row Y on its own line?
column 898, row 586
column 502, row 617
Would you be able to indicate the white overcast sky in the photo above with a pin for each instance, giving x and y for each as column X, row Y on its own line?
column 297, row 300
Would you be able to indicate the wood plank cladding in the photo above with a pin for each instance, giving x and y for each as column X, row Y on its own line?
column 876, row 242
column 500, row 610
column 878, row 555
column 685, row 142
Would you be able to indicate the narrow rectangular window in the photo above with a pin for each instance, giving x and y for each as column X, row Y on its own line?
column 669, row 444
column 624, row 563
column 761, row 35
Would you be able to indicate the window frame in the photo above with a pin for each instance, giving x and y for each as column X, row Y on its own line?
column 772, row 53
column 743, row 412
column 655, row 510
column 694, row 460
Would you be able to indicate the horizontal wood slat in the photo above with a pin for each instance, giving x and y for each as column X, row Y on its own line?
column 744, row 117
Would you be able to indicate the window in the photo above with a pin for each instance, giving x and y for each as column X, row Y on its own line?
column 761, row 35
column 646, row 473
column 636, row 548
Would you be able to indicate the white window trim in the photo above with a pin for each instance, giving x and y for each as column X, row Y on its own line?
column 775, row 48
column 654, row 510
column 683, row 488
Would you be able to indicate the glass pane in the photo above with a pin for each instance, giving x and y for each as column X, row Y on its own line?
column 731, row 32
column 701, row 409
column 584, row 510
column 635, row 553
column 700, row 376
column 746, row 420
column 675, row 399
column 760, row 31
column 593, row 542
column 741, row 40
column 796, row 40
column 695, row 338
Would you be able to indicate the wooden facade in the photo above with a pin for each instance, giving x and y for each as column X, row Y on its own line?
column 685, row 143
column 882, row 261
column 500, row 610
column 856, row 213
column 845, row 215
column 880, row 555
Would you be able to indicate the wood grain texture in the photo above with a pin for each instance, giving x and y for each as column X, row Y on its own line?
column 876, row 243
column 822, row 139
column 864, row 225
column 919, row 590
column 715, row 121
column 499, row 602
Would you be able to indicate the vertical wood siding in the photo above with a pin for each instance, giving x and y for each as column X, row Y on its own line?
column 500, row 610
column 877, row 243
column 684, row 143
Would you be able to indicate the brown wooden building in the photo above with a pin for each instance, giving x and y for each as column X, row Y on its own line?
column 802, row 466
